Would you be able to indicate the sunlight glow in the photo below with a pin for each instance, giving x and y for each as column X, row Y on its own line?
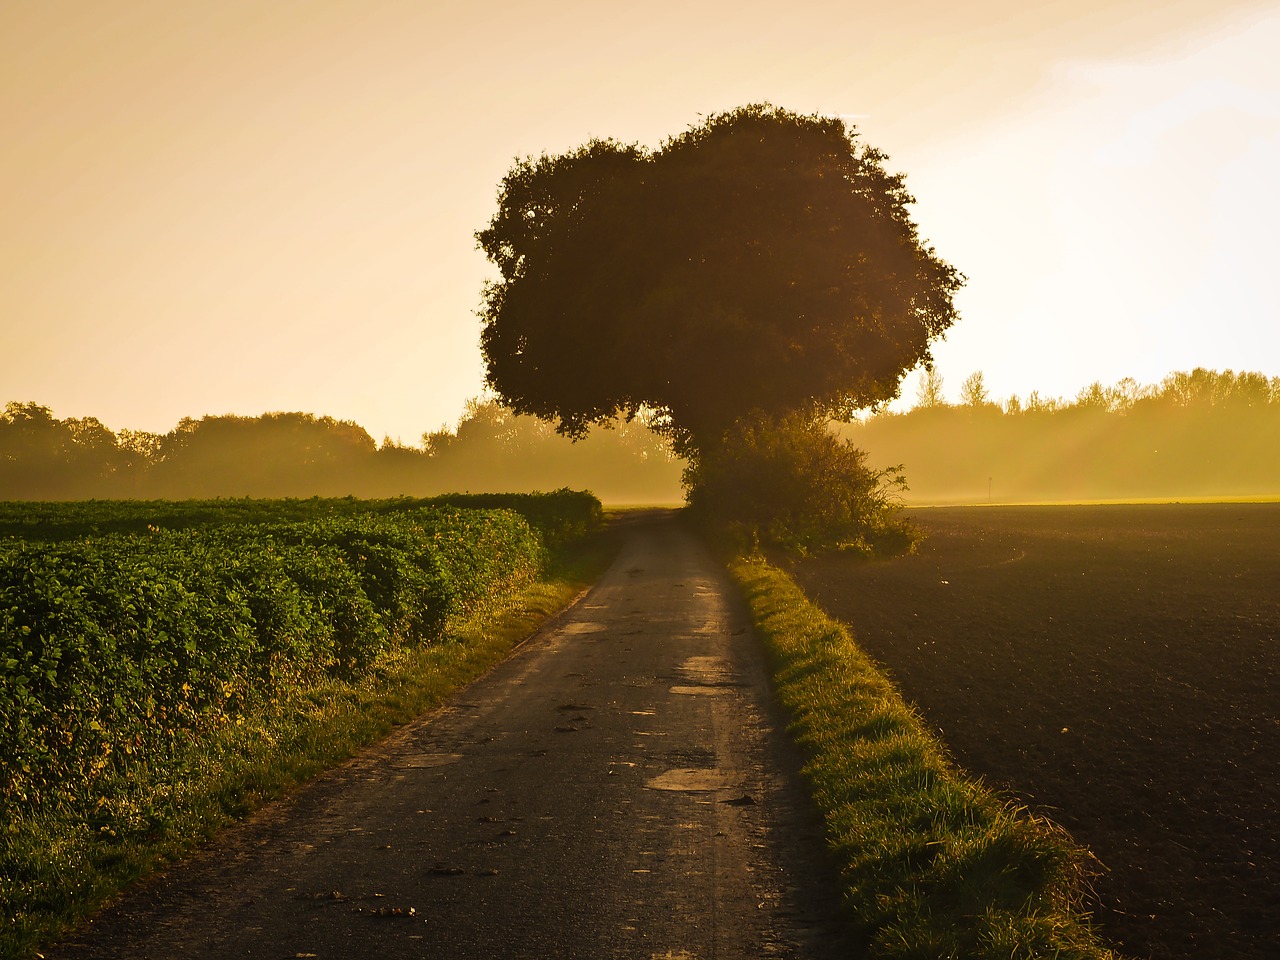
column 232, row 209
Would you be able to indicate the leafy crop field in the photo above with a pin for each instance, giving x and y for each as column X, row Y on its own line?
column 1115, row 667
column 128, row 626
column 163, row 666
column 558, row 516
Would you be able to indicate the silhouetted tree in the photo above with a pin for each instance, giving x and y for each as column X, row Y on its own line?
column 44, row 458
column 275, row 455
column 1210, row 388
column 973, row 392
column 1038, row 404
column 762, row 260
column 493, row 448
column 929, row 390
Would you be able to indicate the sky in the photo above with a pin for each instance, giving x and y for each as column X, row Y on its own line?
column 243, row 206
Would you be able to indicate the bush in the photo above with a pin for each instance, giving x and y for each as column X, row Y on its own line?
column 126, row 645
column 560, row 517
column 792, row 484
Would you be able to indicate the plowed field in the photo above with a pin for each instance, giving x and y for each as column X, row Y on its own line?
column 1116, row 668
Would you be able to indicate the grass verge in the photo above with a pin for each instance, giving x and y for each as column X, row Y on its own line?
column 934, row 864
column 64, row 864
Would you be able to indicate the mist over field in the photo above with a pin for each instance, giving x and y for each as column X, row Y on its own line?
column 1201, row 434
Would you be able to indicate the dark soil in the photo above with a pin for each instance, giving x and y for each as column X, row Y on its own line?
column 1114, row 667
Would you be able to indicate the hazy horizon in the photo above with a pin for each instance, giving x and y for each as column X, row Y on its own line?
column 1194, row 437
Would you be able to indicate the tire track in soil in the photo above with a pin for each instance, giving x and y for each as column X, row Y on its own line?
column 620, row 787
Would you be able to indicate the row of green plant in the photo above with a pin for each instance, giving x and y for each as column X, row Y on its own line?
column 934, row 864
column 67, row 851
column 558, row 516
column 63, row 860
column 129, row 644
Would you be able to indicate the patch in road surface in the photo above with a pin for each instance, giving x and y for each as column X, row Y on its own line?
column 706, row 676
column 691, row 780
column 583, row 626
column 424, row 761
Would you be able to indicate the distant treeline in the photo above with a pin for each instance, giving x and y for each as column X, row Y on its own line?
column 1198, row 434
column 302, row 455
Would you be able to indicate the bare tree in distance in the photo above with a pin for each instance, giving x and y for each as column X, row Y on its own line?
column 973, row 392
column 929, row 390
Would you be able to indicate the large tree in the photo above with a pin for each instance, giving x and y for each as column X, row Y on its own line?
column 760, row 261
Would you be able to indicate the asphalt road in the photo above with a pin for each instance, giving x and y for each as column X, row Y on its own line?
column 620, row 787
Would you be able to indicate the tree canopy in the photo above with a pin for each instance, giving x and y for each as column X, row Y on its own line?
column 760, row 261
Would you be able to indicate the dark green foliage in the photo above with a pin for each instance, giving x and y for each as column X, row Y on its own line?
column 760, row 260
column 395, row 562
column 559, row 517
column 557, row 514
column 123, row 644
column 794, row 485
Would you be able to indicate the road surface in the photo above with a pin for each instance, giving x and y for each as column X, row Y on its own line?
column 619, row 788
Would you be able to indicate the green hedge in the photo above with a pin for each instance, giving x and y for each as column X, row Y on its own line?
column 123, row 644
column 558, row 516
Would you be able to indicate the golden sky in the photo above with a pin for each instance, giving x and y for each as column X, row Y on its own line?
column 225, row 206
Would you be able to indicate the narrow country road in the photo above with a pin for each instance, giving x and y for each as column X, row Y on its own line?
column 619, row 788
